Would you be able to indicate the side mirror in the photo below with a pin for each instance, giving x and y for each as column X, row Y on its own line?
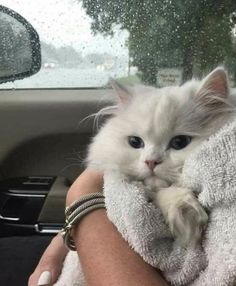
column 20, row 54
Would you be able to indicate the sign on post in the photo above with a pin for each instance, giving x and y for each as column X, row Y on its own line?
column 169, row 76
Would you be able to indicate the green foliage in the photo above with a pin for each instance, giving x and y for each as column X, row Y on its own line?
column 192, row 34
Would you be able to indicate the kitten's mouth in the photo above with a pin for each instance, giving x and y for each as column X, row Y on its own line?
column 150, row 175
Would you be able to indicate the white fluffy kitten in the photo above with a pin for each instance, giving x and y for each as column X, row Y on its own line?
column 150, row 135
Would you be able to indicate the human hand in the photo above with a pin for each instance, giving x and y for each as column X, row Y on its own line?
column 50, row 264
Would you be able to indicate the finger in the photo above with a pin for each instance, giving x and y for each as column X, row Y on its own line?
column 50, row 264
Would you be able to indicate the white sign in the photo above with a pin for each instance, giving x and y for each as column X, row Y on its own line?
column 169, row 76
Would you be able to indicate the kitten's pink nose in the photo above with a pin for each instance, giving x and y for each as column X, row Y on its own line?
column 152, row 164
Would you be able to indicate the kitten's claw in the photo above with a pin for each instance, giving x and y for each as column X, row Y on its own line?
column 184, row 214
column 187, row 221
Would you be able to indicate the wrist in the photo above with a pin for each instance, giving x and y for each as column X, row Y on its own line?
column 76, row 211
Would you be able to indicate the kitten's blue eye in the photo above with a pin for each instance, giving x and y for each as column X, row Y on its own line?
column 135, row 142
column 179, row 142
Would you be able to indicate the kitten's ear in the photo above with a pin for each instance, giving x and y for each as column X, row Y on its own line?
column 214, row 87
column 123, row 92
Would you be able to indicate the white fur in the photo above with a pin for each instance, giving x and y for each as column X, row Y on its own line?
column 157, row 115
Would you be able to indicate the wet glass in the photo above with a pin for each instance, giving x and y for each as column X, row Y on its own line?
column 151, row 41
column 15, row 48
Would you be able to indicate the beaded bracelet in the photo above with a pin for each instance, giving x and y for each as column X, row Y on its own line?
column 76, row 211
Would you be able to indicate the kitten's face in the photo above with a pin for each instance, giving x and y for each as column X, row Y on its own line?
column 155, row 130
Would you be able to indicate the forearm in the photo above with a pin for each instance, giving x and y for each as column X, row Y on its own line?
column 107, row 259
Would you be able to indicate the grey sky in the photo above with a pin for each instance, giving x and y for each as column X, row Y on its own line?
column 64, row 22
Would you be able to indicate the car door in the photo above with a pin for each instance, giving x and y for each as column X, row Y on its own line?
column 45, row 129
column 45, row 133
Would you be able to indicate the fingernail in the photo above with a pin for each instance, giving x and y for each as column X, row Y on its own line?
column 45, row 278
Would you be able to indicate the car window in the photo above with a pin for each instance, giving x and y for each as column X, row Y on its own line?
column 152, row 41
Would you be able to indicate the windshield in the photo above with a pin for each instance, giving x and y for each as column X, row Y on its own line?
column 86, row 42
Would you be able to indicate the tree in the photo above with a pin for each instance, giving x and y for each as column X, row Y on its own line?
column 169, row 33
column 65, row 56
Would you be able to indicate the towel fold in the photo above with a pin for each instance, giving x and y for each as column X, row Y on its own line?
column 211, row 173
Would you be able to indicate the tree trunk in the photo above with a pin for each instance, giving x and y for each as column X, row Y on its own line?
column 187, row 64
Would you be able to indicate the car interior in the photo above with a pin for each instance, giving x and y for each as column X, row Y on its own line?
column 43, row 145
column 46, row 127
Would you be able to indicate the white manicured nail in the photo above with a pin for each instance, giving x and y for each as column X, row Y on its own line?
column 45, row 278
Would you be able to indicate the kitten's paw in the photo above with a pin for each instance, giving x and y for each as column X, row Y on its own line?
column 185, row 216
column 187, row 221
column 152, row 186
